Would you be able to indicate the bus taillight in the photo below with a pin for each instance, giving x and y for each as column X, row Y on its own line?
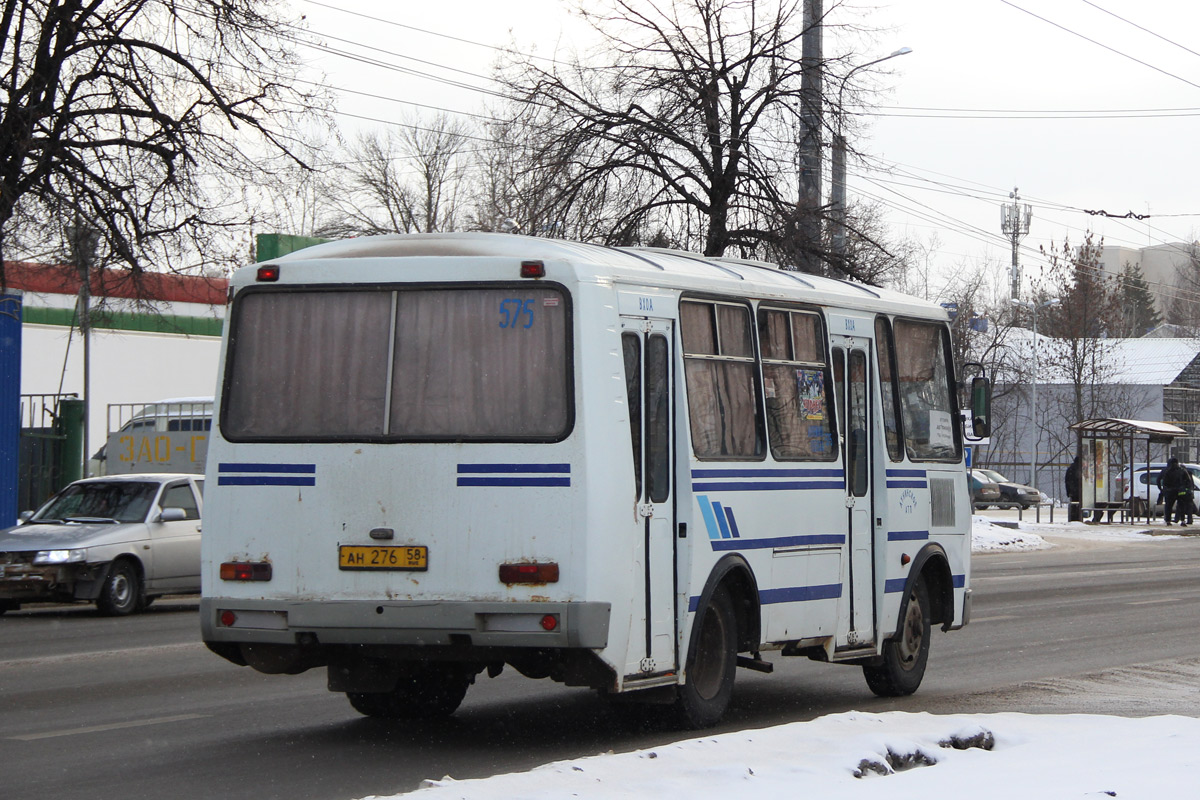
column 529, row 573
column 246, row 571
column 533, row 269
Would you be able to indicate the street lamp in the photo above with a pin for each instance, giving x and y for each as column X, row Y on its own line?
column 837, row 198
column 1033, row 307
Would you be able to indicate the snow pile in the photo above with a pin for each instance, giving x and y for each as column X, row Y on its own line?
column 891, row 755
column 987, row 537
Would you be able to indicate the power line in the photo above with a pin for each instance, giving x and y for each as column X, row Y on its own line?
column 1140, row 28
column 1100, row 44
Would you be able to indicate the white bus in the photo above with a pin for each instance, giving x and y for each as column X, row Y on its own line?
column 439, row 455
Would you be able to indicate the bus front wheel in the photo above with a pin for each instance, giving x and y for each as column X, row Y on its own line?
column 424, row 691
column 711, row 663
column 905, row 656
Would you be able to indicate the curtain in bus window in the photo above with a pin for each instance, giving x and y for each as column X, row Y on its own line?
column 722, row 402
column 308, row 364
column 631, row 348
column 806, row 331
column 658, row 420
column 927, row 413
column 722, row 407
column 480, row 363
column 887, row 386
column 798, row 418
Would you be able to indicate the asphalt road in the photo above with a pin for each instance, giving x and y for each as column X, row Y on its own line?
column 136, row 708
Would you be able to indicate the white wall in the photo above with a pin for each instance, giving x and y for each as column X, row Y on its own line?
column 127, row 367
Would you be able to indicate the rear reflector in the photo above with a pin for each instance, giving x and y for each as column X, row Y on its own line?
column 529, row 573
column 245, row 571
column 268, row 273
column 533, row 269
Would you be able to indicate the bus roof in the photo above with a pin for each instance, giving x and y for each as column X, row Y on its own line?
column 650, row 266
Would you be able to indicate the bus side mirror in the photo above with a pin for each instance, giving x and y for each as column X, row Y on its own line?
column 981, row 408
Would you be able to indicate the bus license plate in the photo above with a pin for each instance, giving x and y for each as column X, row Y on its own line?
column 409, row 557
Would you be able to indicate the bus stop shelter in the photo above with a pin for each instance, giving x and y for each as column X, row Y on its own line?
column 1119, row 445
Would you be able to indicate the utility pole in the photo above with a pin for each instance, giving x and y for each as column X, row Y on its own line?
column 1014, row 221
column 809, row 228
column 83, row 254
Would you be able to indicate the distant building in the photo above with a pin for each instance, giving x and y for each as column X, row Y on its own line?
column 1149, row 378
column 1160, row 266
column 154, row 336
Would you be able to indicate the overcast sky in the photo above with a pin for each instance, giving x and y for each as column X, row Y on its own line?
column 991, row 98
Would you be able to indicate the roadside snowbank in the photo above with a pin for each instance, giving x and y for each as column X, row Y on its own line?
column 852, row 755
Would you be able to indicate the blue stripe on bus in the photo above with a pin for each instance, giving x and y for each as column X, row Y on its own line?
column 764, row 486
column 897, row 584
column 778, row 541
column 768, row 473
column 478, row 468
column 529, row 481
column 907, row 536
column 906, row 473
column 732, row 523
column 710, row 521
column 266, row 480
column 305, row 468
column 906, row 484
column 799, row 594
column 722, row 523
column 791, row 594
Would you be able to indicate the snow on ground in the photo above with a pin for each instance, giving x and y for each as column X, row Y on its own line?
column 1005, row 531
column 895, row 755
column 898, row 755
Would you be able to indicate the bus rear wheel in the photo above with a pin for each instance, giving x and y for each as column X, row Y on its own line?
column 424, row 691
column 905, row 656
column 711, row 663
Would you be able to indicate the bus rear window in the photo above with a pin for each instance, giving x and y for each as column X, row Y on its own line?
column 485, row 364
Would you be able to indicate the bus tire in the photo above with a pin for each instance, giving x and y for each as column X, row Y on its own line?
column 904, row 656
column 711, row 663
column 424, row 691
column 122, row 591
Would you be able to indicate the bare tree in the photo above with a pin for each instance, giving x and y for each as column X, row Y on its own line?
column 1089, row 307
column 693, row 107
column 408, row 180
column 128, row 117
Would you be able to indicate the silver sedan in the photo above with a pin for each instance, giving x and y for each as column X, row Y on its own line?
column 119, row 542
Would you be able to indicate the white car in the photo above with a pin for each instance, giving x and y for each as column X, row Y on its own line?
column 119, row 541
column 1145, row 484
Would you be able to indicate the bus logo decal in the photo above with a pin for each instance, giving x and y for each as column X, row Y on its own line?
column 260, row 474
column 718, row 519
column 509, row 475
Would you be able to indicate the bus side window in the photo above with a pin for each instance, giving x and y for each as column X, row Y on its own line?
column 720, row 372
column 931, row 429
column 632, row 351
column 887, row 386
column 795, row 381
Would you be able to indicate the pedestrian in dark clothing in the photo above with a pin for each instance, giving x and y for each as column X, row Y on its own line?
column 1176, row 485
column 1074, row 490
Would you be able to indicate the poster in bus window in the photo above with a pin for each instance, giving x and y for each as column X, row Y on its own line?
column 811, row 385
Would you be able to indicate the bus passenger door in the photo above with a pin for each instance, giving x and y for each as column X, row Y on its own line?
column 856, row 625
column 646, row 346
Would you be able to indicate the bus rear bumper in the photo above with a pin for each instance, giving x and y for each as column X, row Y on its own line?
column 311, row 623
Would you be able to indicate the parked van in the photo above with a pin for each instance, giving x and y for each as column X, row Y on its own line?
column 164, row 436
